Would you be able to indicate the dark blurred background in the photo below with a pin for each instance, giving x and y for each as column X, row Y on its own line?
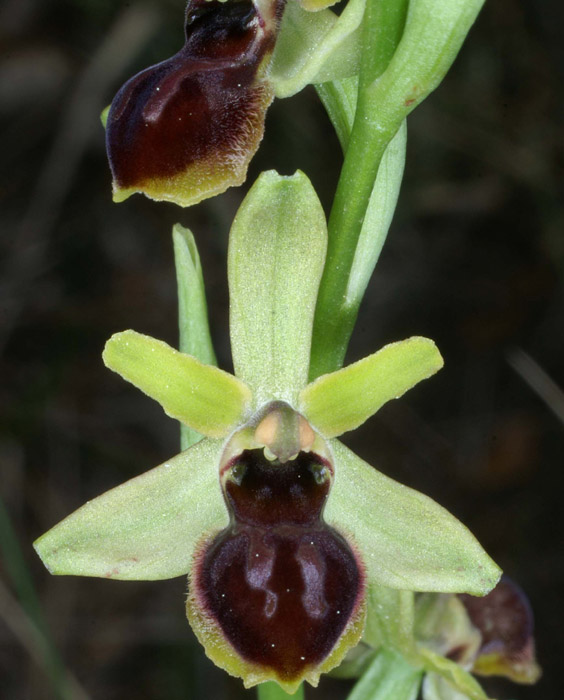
column 475, row 260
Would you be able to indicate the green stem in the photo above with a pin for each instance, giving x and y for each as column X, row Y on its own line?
column 272, row 691
column 404, row 58
column 382, row 29
column 334, row 319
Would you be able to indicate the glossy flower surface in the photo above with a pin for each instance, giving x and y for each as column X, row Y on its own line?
column 280, row 527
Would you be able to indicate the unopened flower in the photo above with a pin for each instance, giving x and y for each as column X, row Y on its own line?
column 281, row 528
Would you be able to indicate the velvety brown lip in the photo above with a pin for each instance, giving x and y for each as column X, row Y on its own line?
column 280, row 583
column 204, row 104
column 186, row 129
column 503, row 616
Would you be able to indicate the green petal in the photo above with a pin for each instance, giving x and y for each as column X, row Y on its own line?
column 315, row 47
column 343, row 400
column 406, row 540
column 207, row 399
column 145, row 529
column 276, row 256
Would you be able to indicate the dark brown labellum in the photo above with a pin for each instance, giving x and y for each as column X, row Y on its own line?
column 280, row 584
column 186, row 128
column 505, row 621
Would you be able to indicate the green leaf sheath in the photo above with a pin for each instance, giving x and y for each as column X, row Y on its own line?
column 390, row 620
column 203, row 397
column 389, row 677
column 343, row 400
column 194, row 332
column 428, row 46
column 276, row 255
column 145, row 529
column 406, row 540
column 335, row 318
column 339, row 100
column 379, row 214
column 272, row 691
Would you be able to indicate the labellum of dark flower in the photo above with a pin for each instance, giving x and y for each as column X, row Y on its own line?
column 279, row 594
column 505, row 621
column 186, row 129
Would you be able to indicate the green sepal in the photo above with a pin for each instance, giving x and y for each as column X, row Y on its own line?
column 389, row 677
column 193, row 326
column 145, row 529
column 341, row 401
column 390, row 620
column 315, row 47
column 192, row 307
column 276, row 255
column 203, row 397
column 453, row 678
column 406, row 540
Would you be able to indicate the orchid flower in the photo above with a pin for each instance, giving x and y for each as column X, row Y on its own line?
column 186, row 128
column 281, row 529
column 437, row 642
